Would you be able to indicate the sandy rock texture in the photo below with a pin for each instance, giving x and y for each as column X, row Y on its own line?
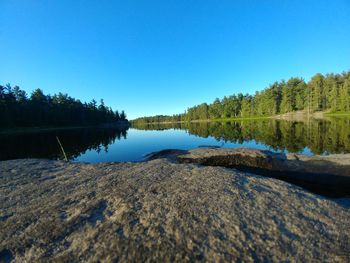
column 335, row 164
column 325, row 174
column 163, row 211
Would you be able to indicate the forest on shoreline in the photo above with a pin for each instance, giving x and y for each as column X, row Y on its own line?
column 58, row 110
column 330, row 92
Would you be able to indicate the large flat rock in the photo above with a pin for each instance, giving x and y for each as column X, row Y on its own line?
column 161, row 211
column 327, row 174
column 336, row 164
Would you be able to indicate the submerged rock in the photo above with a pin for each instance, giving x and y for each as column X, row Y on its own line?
column 161, row 210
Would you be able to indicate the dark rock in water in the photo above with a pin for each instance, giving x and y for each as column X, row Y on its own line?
column 161, row 211
column 209, row 146
column 168, row 153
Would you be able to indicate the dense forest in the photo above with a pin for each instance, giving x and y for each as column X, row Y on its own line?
column 320, row 136
column 330, row 92
column 19, row 110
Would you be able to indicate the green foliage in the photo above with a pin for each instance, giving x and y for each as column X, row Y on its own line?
column 344, row 102
column 17, row 110
column 317, row 92
column 322, row 93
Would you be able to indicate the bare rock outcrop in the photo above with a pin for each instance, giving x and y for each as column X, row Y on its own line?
column 163, row 211
column 329, row 174
column 336, row 164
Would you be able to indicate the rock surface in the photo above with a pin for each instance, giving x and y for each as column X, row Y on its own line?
column 335, row 164
column 161, row 211
column 328, row 174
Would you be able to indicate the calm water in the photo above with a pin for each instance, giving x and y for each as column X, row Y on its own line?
column 100, row 145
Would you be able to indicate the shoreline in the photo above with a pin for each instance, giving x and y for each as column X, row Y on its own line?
column 291, row 116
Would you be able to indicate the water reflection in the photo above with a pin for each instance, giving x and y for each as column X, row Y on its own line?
column 44, row 144
column 320, row 136
column 110, row 145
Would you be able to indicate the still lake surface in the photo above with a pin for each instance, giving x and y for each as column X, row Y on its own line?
column 110, row 145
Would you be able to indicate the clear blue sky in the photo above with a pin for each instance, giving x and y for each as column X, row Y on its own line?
column 156, row 56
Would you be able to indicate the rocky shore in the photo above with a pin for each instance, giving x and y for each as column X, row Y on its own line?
column 198, row 205
column 302, row 116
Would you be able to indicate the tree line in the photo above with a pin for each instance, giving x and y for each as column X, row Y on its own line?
column 330, row 92
column 17, row 109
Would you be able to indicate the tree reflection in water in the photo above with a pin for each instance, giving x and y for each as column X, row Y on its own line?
column 44, row 144
column 320, row 136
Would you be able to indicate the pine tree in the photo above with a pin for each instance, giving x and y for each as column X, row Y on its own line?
column 345, row 96
column 316, row 87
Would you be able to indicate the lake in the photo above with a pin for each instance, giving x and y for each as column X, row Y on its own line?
column 110, row 145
